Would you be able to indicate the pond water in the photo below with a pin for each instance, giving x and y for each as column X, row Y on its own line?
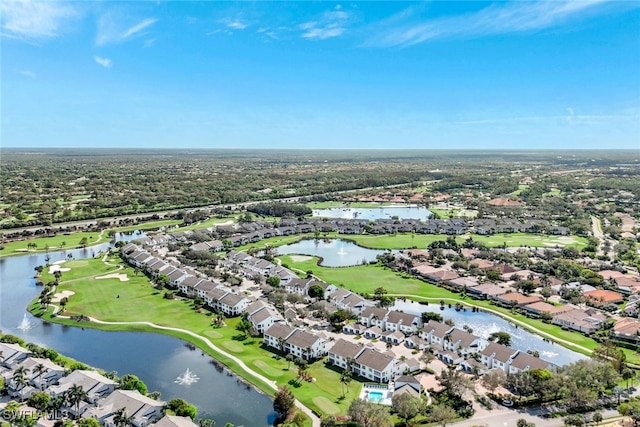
column 402, row 212
column 156, row 359
column 484, row 324
column 334, row 252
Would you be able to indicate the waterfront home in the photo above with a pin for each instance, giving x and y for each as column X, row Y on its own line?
column 486, row 291
column 435, row 332
column 523, row 362
column 95, row 385
column 463, row 283
column 41, row 372
column 585, row 321
column 515, row 299
column 402, row 322
column 463, row 342
column 497, row 356
column 343, row 353
column 627, row 329
column 374, row 366
column 541, row 308
column 346, row 300
column 175, row 421
column 12, row 354
column 373, row 316
column 142, row 409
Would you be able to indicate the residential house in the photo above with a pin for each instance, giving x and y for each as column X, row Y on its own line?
column 627, row 329
column 486, row 291
column 497, row 356
column 600, row 297
column 305, row 345
column 415, row 342
column 515, row 299
column 142, row 409
column 12, row 354
column 276, row 335
column 264, row 318
column 402, row 322
column 585, row 321
column 343, row 353
column 232, row 304
column 463, row 342
column 175, row 421
column 541, row 308
column 375, row 366
column 523, row 362
column 435, row 332
column 95, row 385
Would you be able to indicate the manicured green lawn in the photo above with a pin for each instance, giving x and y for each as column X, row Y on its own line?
column 137, row 301
column 61, row 241
column 422, row 241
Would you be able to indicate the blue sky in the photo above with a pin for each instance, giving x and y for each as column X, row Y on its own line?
column 438, row 74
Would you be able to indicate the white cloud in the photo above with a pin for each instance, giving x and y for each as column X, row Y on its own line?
column 28, row 73
column 498, row 18
column 105, row 62
column 323, row 33
column 33, row 20
column 234, row 23
column 110, row 31
column 332, row 23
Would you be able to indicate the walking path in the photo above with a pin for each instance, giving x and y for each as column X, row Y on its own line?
column 314, row 418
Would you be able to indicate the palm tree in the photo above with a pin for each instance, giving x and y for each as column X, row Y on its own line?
column 289, row 358
column 20, row 377
column 75, row 395
column 121, row 419
column 345, row 379
column 40, row 370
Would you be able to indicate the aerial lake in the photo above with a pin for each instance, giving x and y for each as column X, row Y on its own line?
column 157, row 359
column 334, row 252
column 383, row 212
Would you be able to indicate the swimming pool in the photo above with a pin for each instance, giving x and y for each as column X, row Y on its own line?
column 375, row 396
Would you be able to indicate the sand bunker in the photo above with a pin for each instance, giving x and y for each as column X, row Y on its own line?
column 57, row 297
column 300, row 258
column 120, row 276
column 56, row 267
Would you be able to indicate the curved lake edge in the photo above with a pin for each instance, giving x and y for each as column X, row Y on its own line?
column 320, row 259
column 141, row 327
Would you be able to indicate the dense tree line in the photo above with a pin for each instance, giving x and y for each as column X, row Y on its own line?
column 280, row 209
